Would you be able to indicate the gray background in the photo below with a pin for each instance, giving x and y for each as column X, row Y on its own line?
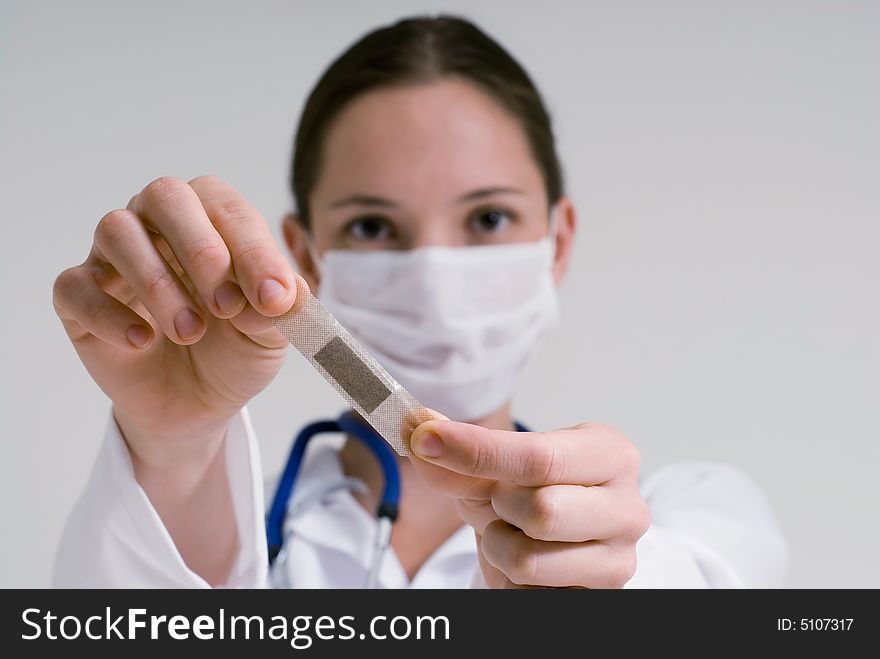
column 722, row 303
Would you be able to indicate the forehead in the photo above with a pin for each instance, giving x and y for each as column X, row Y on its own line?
column 425, row 141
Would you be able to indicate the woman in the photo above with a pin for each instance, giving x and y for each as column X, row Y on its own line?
column 432, row 220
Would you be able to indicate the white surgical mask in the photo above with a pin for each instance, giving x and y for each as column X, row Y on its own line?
column 454, row 325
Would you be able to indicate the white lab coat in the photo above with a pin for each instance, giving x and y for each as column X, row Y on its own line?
column 710, row 527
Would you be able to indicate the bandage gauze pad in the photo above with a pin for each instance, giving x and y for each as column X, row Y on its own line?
column 351, row 370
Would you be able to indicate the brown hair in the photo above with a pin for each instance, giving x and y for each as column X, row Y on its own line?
column 419, row 50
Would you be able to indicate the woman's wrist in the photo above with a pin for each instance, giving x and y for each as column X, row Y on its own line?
column 172, row 458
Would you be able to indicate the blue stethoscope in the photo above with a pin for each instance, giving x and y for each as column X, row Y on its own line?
column 386, row 512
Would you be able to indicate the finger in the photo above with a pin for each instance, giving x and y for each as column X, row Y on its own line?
column 86, row 310
column 477, row 513
column 493, row 577
column 172, row 209
column 587, row 454
column 452, row 484
column 572, row 513
column 123, row 241
column 108, row 278
column 526, row 561
column 262, row 271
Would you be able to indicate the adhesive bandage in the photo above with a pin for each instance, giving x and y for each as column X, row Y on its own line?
column 351, row 370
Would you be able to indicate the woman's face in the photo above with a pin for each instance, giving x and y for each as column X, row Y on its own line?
column 439, row 163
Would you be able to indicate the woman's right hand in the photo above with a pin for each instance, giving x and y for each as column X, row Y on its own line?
column 169, row 312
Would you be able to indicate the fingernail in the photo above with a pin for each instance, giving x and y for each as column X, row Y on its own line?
column 428, row 444
column 138, row 335
column 187, row 323
column 229, row 297
column 271, row 292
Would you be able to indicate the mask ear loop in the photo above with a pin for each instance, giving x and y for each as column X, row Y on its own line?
column 312, row 249
column 552, row 230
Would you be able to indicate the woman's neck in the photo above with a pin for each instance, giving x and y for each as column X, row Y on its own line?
column 426, row 519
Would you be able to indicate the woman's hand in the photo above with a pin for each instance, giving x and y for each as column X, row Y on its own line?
column 558, row 508
column 168, row 312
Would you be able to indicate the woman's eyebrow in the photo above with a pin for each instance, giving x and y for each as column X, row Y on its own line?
column 480, row 193
column 381, row 202
column 363, row 200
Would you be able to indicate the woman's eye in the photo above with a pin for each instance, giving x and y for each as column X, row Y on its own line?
column 490, row 221
column 369, row 228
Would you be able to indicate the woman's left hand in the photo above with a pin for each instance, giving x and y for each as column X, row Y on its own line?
column 558, row 509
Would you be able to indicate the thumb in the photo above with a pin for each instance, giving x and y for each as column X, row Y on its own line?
column 442, row 480
column 264, row 330
column 258, row 328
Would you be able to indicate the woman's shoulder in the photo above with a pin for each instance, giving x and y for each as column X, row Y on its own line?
column 680, row 477
column 724, row 512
